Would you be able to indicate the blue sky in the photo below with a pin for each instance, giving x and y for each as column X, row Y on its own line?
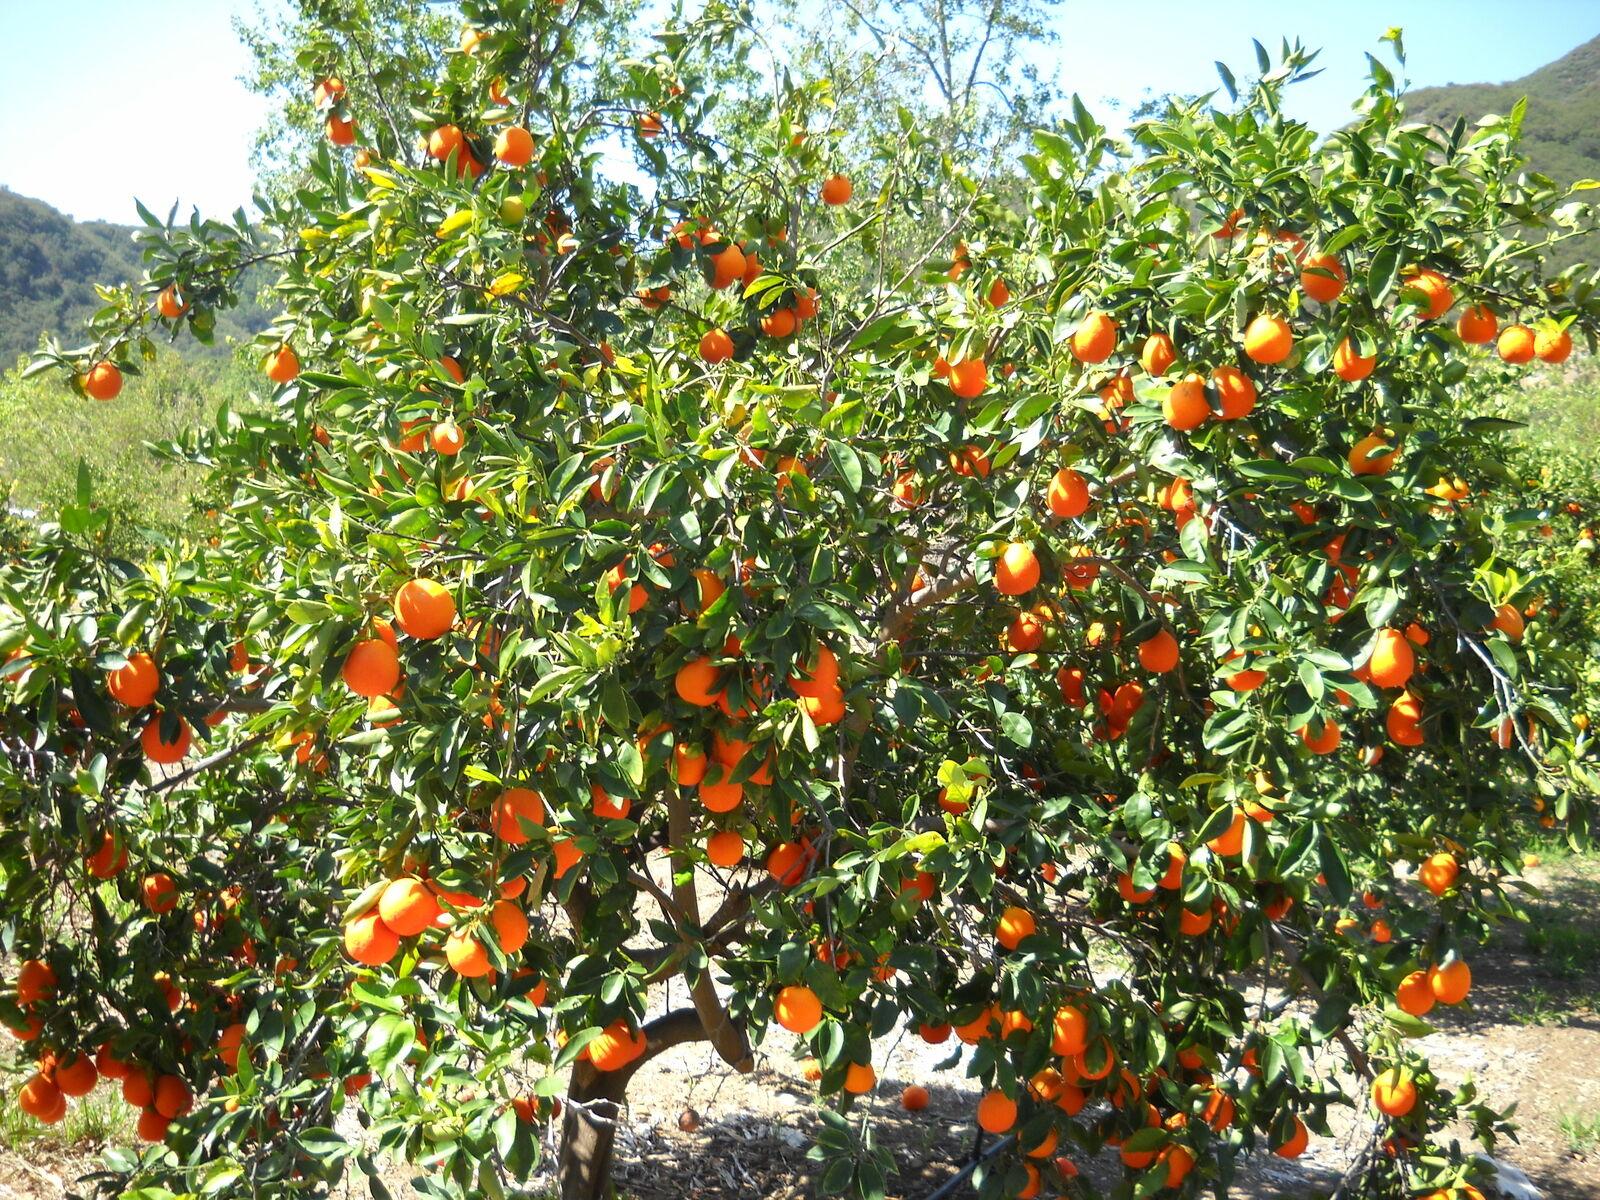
column 120, row 98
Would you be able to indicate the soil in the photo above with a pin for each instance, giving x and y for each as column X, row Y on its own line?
column 1530, row 1037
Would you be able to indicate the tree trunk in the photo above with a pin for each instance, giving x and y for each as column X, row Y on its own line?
column 584, row 1167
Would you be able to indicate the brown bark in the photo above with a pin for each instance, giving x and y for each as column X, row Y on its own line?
column 594, row 1103
column 729, row 1041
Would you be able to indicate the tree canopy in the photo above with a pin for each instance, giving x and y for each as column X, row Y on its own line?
column 1108, row 568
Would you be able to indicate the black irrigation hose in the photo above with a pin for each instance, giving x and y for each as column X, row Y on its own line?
column 979, row 1157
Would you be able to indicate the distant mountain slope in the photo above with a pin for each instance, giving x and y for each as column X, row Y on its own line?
column 49, row 265
column 1561, row 132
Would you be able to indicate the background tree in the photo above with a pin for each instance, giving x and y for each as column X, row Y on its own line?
column 1124, row 585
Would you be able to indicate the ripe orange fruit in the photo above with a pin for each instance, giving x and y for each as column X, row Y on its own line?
column 76, row 1075
column 698, row 682
column 1451, row 982
column 369, row 941
column 1414, row 996
column 35, row 981
column 372, row 668
column 1295, row 1146
column 1322, row 278
column 1231, row 840
column 997, row 1112
column 1016, row 570
column 1393, row 1093
column 1552, row 346
column 282, row 365
column 689, row 764
column 513, row 808
column 797, row 1009
column 445, row 140
column 1236, row 393
column 341, row 131
column 860, row 1078
column 1177, row 859
column 1435, row 290
column 716, row 346
column 721, row 794
column 566, row 854
column 1095, row 338
column 1026, row 632
column 1369, row 456
column 1268, row 339
column 157, row 748
column 138, row 1089
column 1193, row 924
column 109, row 859
column 837, row 189
column 1185, row 405
column 1218, row 1111
column 1392, row 661
column 102, row 381
column 1403, row 723
column 447, row 439
column 1509, row 622
column 914, row 1098
column 1157, row 355
column 650, row 125
column 1348, row 364
column 969, row 378
column 787, row 862
column 1068, row 495
column 171, row 305
column 172, row 1097
column 1069, row 1031
column 608, row 807
column 1439, row 873
column 999, row 294
column 41, row 1099
column 1516, row 344
column 466, row 955
column 1159, row 653
column 424, row 609
column 1130, row 891
column 510, row 925
column 228, row 1046
column 779, row 323
column 1476, row 325
column 727, row 266
column 514, row 146
column 1321, row 741
column 328, row 91
column 725, row 848
column 1015, row 925
column 136, row 682
column 408, row 907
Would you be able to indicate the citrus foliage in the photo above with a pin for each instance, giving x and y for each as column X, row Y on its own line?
column 1043, row 643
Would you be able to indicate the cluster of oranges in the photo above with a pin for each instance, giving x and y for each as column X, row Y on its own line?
column 160, row 1098
column 409, row 907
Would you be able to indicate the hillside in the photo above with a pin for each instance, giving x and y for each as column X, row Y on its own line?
column 49, row 265
column 1561, row 132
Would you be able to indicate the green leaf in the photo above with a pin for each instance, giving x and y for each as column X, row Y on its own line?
column 389, row 1040
column 622, row 435
column 847, row 462
column 1381, row 273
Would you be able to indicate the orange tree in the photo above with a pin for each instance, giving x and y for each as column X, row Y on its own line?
column 1085, row 637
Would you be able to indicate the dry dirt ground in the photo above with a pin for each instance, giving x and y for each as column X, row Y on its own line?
column 1531, row 1037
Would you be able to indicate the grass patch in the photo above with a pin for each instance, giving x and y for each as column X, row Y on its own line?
column 92, row 1121
column 1539, row 1006
column 1569, row 950
column 1581, row 1131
